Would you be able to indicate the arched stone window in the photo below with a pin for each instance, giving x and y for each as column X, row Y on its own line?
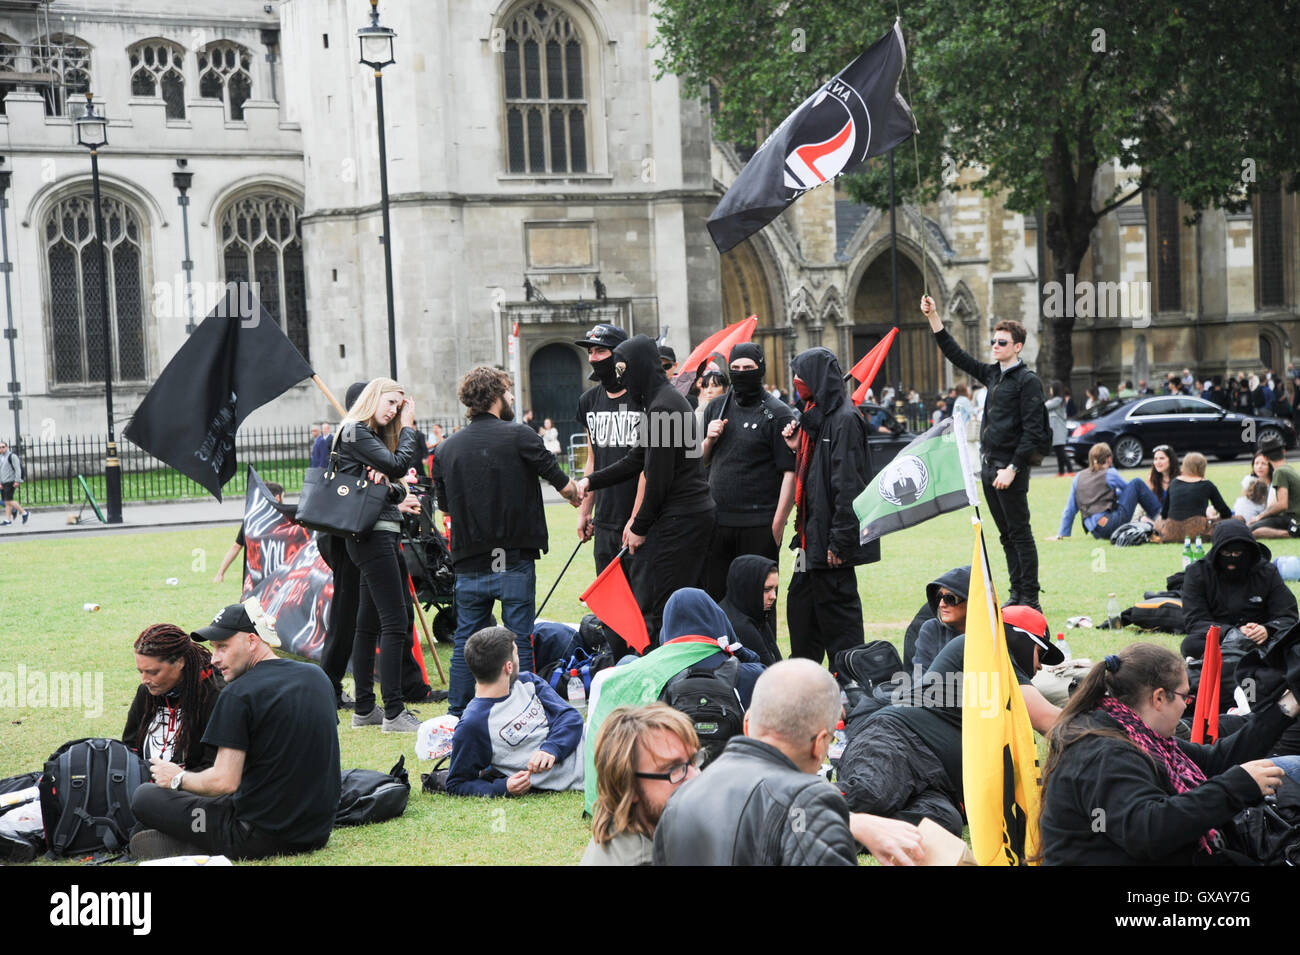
column 156, row 71
column 546, row 97
column 225, row 74
column 68, row 59
column 8, row 64
column 261, row 241
column 76, row 321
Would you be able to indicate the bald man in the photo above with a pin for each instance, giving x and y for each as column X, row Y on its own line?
column 765, row 782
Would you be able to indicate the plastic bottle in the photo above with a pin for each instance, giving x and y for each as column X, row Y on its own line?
column 1187, row 552
column 1065, row 647
column 1112, row 612
column 577, row 692
column 836, row 749
column 1198, row 550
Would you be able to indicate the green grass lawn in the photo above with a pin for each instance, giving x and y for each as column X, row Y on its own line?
column 46, row 582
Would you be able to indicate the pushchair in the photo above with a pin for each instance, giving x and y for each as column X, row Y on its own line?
column 428, row 558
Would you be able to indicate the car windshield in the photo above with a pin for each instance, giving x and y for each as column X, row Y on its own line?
column 1102, row 408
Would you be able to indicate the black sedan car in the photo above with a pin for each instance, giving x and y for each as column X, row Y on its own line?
column 1133, row 426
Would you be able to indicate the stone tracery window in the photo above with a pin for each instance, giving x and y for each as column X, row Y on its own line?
column 225, row 74
column 261, row 241
column 76, row 321
column 546, row 106
column 68, row 59
column 157, row 71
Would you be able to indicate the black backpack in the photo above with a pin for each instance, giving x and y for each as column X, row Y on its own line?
column 370, row 796
column 870, row 664
column 710, row 699
column 86, row 794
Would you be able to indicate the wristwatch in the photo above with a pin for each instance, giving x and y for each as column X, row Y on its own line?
column 1014, row 469
column 176, row 780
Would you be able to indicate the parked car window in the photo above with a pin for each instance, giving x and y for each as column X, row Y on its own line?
column 1104, row 408
column 1197, row 406
column 1156, row 406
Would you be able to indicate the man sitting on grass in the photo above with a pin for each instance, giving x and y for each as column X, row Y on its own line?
column 516, row 734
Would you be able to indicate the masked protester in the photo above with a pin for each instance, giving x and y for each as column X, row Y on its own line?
column 751, row 468
column 823, row 610
column 669, row 532
column 1236, row 587
column 750, row 605
column 612, row 418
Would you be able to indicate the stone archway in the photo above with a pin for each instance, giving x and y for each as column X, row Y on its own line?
column 555, row 382
column 746, row 291
column 914, row 360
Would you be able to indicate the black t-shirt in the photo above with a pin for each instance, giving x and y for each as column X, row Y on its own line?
column 934, row 713
column 749, row 460
column 281, row 714
column 612, row 426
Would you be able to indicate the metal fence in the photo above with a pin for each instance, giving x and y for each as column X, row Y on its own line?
column 51, row 467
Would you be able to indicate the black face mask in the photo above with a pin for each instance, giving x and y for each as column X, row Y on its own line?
column 1240, row 566
column 603, row 372
column 748, row 384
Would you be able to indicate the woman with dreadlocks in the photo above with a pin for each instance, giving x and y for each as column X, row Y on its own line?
column 178, row 689
column 1119, row 789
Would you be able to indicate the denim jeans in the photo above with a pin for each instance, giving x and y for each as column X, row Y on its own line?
column 1290, row 765
column 516, row 588
column 1136, row 493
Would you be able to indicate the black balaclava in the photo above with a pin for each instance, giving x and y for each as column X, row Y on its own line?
column 603, row 371
column 748, row 385
column 819, row 370
column 642, row 373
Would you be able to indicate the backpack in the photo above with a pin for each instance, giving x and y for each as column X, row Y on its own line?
column 1131, row 534
column 86, row 791
column 872, row 664
column 1044, row 447
column 369, row 796
column 710, row 699
column 1161, row 612
column 21, row 836
column 588, row 665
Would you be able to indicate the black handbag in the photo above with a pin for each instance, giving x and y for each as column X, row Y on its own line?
column 336, row 503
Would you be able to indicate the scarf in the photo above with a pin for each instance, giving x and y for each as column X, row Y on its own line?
column 1183, row 774
column 802, row 462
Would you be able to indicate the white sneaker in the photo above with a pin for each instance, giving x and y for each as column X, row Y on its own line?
column 403, row 722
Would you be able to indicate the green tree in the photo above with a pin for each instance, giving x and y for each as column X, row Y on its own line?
column 1201, row 95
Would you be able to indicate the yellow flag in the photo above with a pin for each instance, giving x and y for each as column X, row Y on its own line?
column 1000, row 776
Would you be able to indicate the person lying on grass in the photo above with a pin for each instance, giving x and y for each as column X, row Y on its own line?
column 516, row 734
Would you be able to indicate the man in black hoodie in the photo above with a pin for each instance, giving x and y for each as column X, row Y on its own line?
column 750, row 605
column 751, row 469
column 823, row 609
column 669, row 532
column 1236, row 587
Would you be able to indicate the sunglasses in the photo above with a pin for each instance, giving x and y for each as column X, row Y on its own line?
column 999, row 342
column 952, row 600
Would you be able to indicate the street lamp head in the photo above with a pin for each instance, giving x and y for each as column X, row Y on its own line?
column 92, row 127
column 182, row 180
column 376, row 41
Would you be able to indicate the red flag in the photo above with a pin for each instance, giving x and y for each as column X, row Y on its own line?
column 1206, row 720
column 610, row 598
column 721, row 342
column 865, row 370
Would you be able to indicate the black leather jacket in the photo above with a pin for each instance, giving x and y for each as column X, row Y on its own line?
column 753, row 806
column 360, row 448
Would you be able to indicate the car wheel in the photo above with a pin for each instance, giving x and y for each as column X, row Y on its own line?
column 1270, row 434
column 1129, row 452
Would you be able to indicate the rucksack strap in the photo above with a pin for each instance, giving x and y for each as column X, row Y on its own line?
column 75, row 798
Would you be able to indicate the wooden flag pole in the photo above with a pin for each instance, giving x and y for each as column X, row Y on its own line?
column 424, row 625
column 343, row 412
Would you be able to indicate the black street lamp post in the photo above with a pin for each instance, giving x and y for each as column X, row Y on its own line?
column 10, row 332
column 376, row 43
column 181, row 180
column 92, row 132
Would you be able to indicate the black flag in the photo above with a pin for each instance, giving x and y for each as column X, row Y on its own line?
column 857, row 114
column 235, row 362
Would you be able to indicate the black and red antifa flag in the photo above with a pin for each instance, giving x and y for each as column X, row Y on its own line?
column 859, row 113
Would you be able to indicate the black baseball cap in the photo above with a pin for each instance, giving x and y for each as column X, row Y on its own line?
column 607, row 336
column 666, row 353
column 230, row 621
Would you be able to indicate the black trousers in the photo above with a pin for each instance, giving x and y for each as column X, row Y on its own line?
column 381, row 619
column 341, row 632
column 608, row 542
column 1063, row 463
column 824, row 613
column 671, row 558
column 1010, row 509
column 730, row 543
column 208, row 823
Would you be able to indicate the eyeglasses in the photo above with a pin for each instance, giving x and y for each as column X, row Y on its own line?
column 952, row 600
column 678, row 773
column 1187, row 698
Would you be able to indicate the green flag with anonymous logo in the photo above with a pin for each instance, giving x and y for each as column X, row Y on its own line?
column 927, row 478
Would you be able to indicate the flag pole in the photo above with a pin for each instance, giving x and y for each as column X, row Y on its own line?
column 343, row 412
column 424, row 625
column 561, row 577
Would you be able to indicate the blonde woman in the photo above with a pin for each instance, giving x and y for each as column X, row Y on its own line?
column 377, row 439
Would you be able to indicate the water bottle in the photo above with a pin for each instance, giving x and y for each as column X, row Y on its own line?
column 1065, row 647
column 1198, row 551
column 577, row 692
column 1112, row 612
column 836, row 749
column 1187, row 552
